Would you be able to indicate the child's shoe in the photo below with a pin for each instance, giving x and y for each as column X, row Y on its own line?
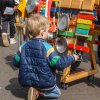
column 5, row 39
column 12, row 41
column 32, row 93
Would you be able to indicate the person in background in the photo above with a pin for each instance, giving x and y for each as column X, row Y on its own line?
column 98, row 15
column 37, row 61
column 0, row 23
column 7, row 18
column 97, row 8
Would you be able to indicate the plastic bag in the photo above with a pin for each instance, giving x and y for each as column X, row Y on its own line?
column 8, row 11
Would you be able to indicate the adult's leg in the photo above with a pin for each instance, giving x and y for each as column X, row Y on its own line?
column 99, row 50
column 12, row 25
column 12, row 29
column 4, row 20
column 4, row 30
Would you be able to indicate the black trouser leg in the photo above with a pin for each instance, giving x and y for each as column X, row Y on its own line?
column 99, row 48
column 12, row 25
column 4, row 24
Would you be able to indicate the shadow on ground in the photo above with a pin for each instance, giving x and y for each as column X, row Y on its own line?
column 9, row 61
column 1, row 42
column 95, row 82
column 20, row 92
column 15, row 88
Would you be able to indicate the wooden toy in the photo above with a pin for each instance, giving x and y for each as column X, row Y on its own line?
column 83, row 25
column 84, row 21
column 80, row 48
column 44, row 7
column 82, row 31
column 86, row 16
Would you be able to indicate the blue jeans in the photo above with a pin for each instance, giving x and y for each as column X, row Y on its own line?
column 52, row 92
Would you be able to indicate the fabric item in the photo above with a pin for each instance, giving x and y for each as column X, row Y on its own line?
column 16, row 60
column 11, row 20
column 8, row 11
column 52, row 93
column 22, row 8
column 35, row 67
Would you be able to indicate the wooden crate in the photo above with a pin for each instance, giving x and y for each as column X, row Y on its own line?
column 76, row 4
column 88, row 4
column 65, row 3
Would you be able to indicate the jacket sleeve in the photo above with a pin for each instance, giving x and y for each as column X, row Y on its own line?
column 59, row 62
column 56, row 61
column 16, row 59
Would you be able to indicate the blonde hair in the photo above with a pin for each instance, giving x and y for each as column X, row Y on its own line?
column 36, row 23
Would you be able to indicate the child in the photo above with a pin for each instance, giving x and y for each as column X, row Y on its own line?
column 37, row 61
column 8, row 19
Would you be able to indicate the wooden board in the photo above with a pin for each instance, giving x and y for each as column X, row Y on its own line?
column 84, row 21
column 65, row 3
column 83, row 26
column 82, row 31
column 79, row 75
column 78, row 47
column 86, row 16
column 76, row 4
column 88, row 4
column 81, row 35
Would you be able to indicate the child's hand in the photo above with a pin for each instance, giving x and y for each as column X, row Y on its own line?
column 76, row 57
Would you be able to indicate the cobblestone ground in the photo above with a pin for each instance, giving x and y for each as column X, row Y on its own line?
column 11, row 90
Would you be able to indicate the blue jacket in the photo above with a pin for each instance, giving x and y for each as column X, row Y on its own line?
column 37, row 61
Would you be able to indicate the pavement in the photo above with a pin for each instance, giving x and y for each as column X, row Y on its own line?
column 10, row 89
